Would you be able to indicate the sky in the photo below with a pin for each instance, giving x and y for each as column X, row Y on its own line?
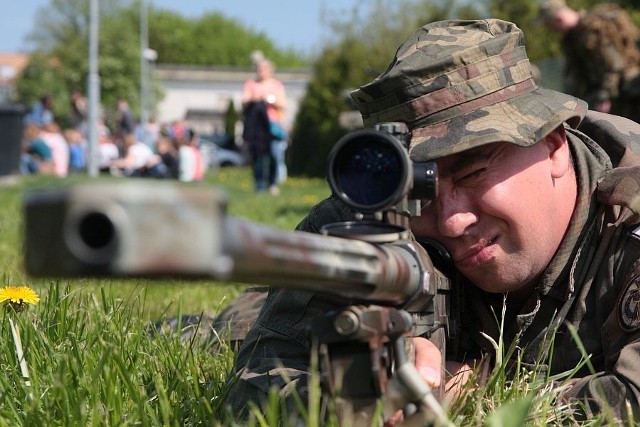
column 288, row 23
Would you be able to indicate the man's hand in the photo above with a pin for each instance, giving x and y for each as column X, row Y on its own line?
column 428, row 361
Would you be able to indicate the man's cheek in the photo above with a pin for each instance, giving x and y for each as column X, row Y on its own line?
column 423, row 225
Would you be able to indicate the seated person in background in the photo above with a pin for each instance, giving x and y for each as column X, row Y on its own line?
column 192, row 167
column 53, row 137
column 165, row 163
column 77, row 150
column 36, row 155
column 136, row 155
column 107, row 149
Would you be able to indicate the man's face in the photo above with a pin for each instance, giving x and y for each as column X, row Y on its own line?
column 496, row 215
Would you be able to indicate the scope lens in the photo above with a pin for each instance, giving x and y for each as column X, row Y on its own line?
column 368, row 174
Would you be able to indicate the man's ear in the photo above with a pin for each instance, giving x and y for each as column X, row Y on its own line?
column 559, row 152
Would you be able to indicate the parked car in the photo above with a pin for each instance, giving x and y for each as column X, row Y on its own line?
column 220, row 150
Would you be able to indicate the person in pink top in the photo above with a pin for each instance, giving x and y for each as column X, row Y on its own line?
column 265, row 87
column 264, row 92
column 53, row 137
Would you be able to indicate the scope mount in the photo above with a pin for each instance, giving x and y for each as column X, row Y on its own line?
column 367, row 231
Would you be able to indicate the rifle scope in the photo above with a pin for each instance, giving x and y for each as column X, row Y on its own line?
column 370, row 170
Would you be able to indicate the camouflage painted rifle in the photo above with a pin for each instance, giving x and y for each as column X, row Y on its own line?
column 154, row 229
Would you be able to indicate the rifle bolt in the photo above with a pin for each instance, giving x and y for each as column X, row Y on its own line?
column 346, row 323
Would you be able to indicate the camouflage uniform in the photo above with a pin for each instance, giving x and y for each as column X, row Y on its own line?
column 603, row 60
column 461, row 84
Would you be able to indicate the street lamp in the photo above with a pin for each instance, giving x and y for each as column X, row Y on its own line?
column 149, row 56
column 93, row 91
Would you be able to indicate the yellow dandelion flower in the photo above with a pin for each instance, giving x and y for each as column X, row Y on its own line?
column 18, row 296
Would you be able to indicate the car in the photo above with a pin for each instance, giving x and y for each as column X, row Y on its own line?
column 220, row 150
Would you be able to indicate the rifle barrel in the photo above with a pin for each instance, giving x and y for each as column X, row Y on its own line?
column 150, row 229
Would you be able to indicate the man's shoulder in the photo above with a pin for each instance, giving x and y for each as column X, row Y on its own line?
column 615, row 134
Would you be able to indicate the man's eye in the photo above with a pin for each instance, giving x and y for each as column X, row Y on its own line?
column 471, row 175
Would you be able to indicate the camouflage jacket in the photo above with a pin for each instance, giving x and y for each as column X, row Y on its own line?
column 593, row 283
column 601, row 54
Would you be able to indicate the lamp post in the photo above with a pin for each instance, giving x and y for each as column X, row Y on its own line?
column 93, row 91
column 144, row 74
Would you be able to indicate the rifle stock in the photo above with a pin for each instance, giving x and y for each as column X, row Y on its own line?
column 155, row 229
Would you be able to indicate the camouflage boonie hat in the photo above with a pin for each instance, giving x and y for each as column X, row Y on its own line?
column 462, row 84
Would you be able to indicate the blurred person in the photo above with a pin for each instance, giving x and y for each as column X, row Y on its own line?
column 107, row 150
column 165, row 163
column 178, row 130
column 190, row 159
column 42, row 111
column 600, row 47
column 77, row 149
column 263, row 101
column 135, row 156
column 125, row 122
column 37, row 157
column 78, row 110
column 53, row 137
column 149, row 132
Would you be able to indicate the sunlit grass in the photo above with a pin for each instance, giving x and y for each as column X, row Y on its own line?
column 92, row 361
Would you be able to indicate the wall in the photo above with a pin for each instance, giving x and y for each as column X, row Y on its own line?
column 202, row 94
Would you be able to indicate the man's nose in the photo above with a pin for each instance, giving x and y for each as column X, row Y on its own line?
column 455, row 214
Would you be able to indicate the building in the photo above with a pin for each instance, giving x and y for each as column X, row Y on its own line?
column 11, row 66
column 201, row 95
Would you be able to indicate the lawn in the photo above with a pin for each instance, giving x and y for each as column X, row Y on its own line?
column 89, row 357
column 90, row 360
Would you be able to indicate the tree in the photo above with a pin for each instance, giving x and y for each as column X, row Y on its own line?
column 364, row 48
column 60, row 58
column 364, row 44
column 230, row 120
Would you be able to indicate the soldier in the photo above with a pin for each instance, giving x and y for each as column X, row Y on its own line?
column 601, row 53
column 538, row 206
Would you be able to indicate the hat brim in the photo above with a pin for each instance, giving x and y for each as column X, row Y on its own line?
column 522, row 120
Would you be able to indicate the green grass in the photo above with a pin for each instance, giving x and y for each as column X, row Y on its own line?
column 92, row 362
column 90, row 358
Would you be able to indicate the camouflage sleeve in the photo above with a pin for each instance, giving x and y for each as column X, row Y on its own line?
column 611, row 392
column 275, row 353
column 614, row 390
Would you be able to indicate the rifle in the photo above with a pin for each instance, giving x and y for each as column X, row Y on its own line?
column 104, row 229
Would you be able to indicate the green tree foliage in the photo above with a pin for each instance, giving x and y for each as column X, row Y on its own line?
column 61, row 38
column 364, row 48
column 230, row 120
column 212, row 39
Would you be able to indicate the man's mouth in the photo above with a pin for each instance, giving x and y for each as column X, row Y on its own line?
column 479, row 253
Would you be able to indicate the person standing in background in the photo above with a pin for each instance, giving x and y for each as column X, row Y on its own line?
column 125, row 122
column 79, row 111
column 265, row 92
column 602, row 55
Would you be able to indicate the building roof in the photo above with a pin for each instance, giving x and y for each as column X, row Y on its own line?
column 12, row 65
